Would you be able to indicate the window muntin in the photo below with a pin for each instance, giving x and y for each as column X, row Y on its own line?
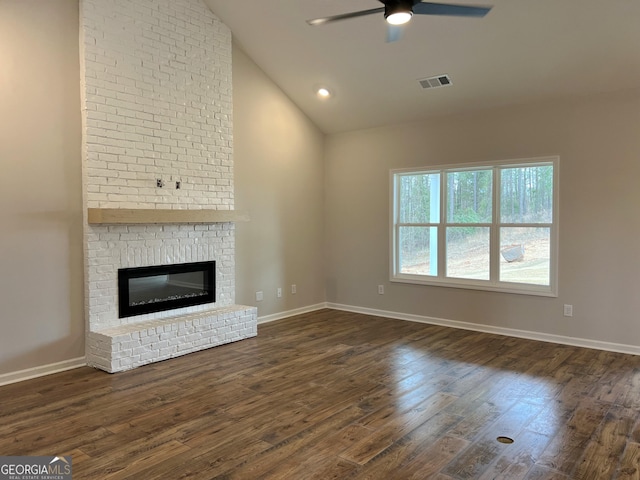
column 491, row 227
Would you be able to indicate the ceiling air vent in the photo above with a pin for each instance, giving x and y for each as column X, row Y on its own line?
column 434, row 82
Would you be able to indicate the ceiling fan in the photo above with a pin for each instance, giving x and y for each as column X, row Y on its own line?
column 399, row 12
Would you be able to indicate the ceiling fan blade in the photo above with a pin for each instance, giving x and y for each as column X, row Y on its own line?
column 427, row 8
column 344, row 16
column 394, row 33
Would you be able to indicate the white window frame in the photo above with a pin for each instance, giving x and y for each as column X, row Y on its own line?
column 493, row 284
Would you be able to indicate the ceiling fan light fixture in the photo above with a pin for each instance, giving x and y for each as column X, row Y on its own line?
column 398, row 12
column 399, row 18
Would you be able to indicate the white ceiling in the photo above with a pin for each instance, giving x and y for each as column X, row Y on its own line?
column 522, row 51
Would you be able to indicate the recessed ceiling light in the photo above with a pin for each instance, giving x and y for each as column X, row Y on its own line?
column 323, row 92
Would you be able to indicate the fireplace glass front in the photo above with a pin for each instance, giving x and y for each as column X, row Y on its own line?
column 165, row 287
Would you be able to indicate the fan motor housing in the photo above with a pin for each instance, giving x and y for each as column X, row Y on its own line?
column 396, row 6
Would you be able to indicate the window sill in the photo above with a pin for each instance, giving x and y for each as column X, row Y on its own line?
column 512, row 288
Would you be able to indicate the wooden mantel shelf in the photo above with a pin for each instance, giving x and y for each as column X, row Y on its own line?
column 142, row 216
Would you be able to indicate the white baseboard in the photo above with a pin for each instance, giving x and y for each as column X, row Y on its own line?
column 41, row 371
column 509, row 332
column 291, row 313
column 29, row 373
column 13, row 377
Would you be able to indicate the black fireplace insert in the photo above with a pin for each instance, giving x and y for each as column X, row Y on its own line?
column 165, row 287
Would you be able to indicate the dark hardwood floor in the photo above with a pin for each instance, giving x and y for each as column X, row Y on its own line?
column 347, row 396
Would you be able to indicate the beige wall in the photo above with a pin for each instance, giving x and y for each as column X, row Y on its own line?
column 319, row 206
column 278, row 176
column 598, row 143
column 279, row 179
column 41, row 302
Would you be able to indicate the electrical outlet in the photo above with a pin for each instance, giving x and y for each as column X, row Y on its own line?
column 279, row 292
column 568, row 310
column 294, row 289
column 380, row 289
column 159, row 183
column 259, row 296
column 178, row 185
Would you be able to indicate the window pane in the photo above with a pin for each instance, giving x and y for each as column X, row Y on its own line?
column 420, row 198
column 525, row 255
column 419, row 250
column 468, row 252
column 526, row 194
column 469, row 196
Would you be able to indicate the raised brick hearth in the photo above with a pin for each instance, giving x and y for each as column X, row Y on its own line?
column 157, row 105
column 129, row 346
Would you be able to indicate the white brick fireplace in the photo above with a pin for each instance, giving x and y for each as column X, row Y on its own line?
column 157, row 105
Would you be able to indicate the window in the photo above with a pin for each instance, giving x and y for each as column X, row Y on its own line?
column 490, row 227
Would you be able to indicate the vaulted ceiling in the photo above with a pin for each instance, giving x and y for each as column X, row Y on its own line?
column 522, row 51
